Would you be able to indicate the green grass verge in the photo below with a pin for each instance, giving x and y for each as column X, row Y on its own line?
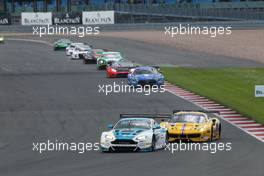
column 234, row 87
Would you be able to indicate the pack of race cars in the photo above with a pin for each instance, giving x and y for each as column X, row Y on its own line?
column 113, row 62
column 143, row 132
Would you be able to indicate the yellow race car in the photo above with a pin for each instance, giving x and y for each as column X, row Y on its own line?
column 193, row 126
column 2, row 39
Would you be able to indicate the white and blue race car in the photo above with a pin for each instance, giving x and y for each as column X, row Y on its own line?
column 134, row 132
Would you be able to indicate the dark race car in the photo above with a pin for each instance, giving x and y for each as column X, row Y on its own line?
column 120, row 68
column 92, row 57
column 108, row 58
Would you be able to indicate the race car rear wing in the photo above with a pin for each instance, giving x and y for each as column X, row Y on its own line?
column 203, row 111
column 152, row 116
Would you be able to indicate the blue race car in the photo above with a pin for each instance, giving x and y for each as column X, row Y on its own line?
column 142, row 76
column 134, row 133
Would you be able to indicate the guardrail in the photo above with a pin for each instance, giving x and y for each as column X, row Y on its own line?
column 248, row 10
column 231, row 13
column 232, row 10
column 225, row 11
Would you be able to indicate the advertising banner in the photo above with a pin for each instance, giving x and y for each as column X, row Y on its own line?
column 259, row 91
column 67, row 18
column 98, row 17
column 39, row 18
column 5, row 19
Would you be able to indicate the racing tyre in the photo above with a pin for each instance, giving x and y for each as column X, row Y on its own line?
column 153, row 146
column 100, row 68
column 167, row 138
column 85, row 61
column 220, row 130
column 81, row 56
column 212, row 134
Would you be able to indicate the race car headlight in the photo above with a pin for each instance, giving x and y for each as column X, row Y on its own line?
column 113, row 70
column 109, row 137
column 202, row 129
column 134, row 79
column 160, row 78
column 131, row 70
column 142, row 138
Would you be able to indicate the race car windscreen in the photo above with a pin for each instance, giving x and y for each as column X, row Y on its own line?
column 113, row 56
column 188, row 118
column 98, row 51
column 122, row 64
column 145, row 71
column 86, row 48
column 127, row 124
column 65, row 41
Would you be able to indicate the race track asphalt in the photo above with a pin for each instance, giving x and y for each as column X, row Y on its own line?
column 46, row 96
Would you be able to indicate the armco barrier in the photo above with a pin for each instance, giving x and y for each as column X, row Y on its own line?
column 228, row 13
column 233, row 10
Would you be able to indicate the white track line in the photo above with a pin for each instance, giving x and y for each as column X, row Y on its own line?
column 213, row 106
column 236, row 119
column 218, row 109
column 244, row 121
column 258, row 132
column 212, row 103
column 204, row 101
column 232, row 115
column 249, row 125
column 228, row 112
column 250, row 129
